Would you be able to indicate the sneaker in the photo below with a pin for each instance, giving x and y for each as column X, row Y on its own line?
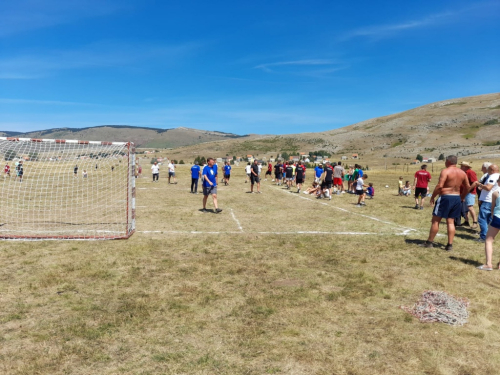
column 363, row 203
column 416, row 207
column 259, row 192
column 426, row 244
column 204, row 210
column 479, row 240
column 466, row 224
column 298, row 191
column 421, row 207
column 449, row 247
column 358, row 205
column 343, row 192
column 218, row 210
column 330, row 198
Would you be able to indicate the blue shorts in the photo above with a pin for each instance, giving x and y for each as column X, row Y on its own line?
column 495, row 223
column 470, row 199
column 448, row 207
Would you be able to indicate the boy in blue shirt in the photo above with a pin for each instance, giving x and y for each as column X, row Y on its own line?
column 318, row 171
column 195, row 176
column 210, row 184
column 227, row 173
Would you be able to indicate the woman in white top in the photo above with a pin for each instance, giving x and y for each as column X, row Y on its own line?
column 492, row 232
column 248, row 171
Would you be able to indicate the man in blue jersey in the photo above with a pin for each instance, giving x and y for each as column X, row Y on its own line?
column 195, row 176
column 210, row 185
column 227, row 173
column 318, row 171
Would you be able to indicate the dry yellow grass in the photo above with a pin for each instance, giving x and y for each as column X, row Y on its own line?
column 172, row 300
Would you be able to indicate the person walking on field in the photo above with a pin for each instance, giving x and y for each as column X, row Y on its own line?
column 227, row 173
column 269, row 171
column 254, row 177
column 470, row 198
column 248, row 171
column 155, row 169
column 488, row 187
column 195, row 176
column 422, row 179
column 449, row 203
column 492, row 232
column 210, row 185
column 171, row 172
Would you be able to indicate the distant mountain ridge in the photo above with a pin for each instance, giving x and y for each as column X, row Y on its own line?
column 142, row 136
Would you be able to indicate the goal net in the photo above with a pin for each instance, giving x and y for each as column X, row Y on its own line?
column 66, row 189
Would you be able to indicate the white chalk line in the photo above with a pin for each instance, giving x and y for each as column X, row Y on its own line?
column 277, row 233
column 354, row 213
column 236, row 220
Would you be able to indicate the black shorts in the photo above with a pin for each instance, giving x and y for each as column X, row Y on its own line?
column 359, row 192
column 278, row 176
column 268, row 173
column 299, row 180
column 254, row 179
column 227, row 176
column 327, row 184
column 420, row 192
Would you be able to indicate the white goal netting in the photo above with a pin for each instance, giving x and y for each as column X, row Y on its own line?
column 66, row 189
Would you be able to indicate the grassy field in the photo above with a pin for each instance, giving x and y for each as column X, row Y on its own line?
column 278, row 283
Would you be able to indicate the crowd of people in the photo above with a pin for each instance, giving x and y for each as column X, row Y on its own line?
column 453, row 197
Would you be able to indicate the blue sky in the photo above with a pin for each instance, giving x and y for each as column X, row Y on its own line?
column 242, row 67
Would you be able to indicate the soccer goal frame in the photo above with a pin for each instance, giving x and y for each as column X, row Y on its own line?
column 61, row 189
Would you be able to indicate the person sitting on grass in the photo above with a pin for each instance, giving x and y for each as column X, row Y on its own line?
column 400, row 186
column 370, row 192
column 359, row 190
column 407, row 189
column 493, row 229
column 315, row 189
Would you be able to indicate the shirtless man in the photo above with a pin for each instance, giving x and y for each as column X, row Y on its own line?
column 449, row 203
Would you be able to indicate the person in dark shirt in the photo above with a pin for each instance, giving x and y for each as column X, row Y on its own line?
column 328, row 180
column 299, row 176
column 254, row 176
column 289, row 175
column 278, row 173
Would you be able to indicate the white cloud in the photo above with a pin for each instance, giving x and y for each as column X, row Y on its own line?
column 266, row 67
column 388, row 30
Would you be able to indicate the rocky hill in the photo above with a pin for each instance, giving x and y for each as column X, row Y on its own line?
column 464, row 126
column 141, row 136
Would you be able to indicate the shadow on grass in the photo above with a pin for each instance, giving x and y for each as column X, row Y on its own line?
column 469, row 262
column 412, row 207
column 436, row 245
column 465, row 236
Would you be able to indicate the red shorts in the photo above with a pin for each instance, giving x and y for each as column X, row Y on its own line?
column 337, row 181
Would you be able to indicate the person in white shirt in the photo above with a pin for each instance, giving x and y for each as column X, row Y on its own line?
column 155, row 169
column 488, row 187
column 171, row 172
column 248, row 171
column 359, row 190
column 260, row 168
